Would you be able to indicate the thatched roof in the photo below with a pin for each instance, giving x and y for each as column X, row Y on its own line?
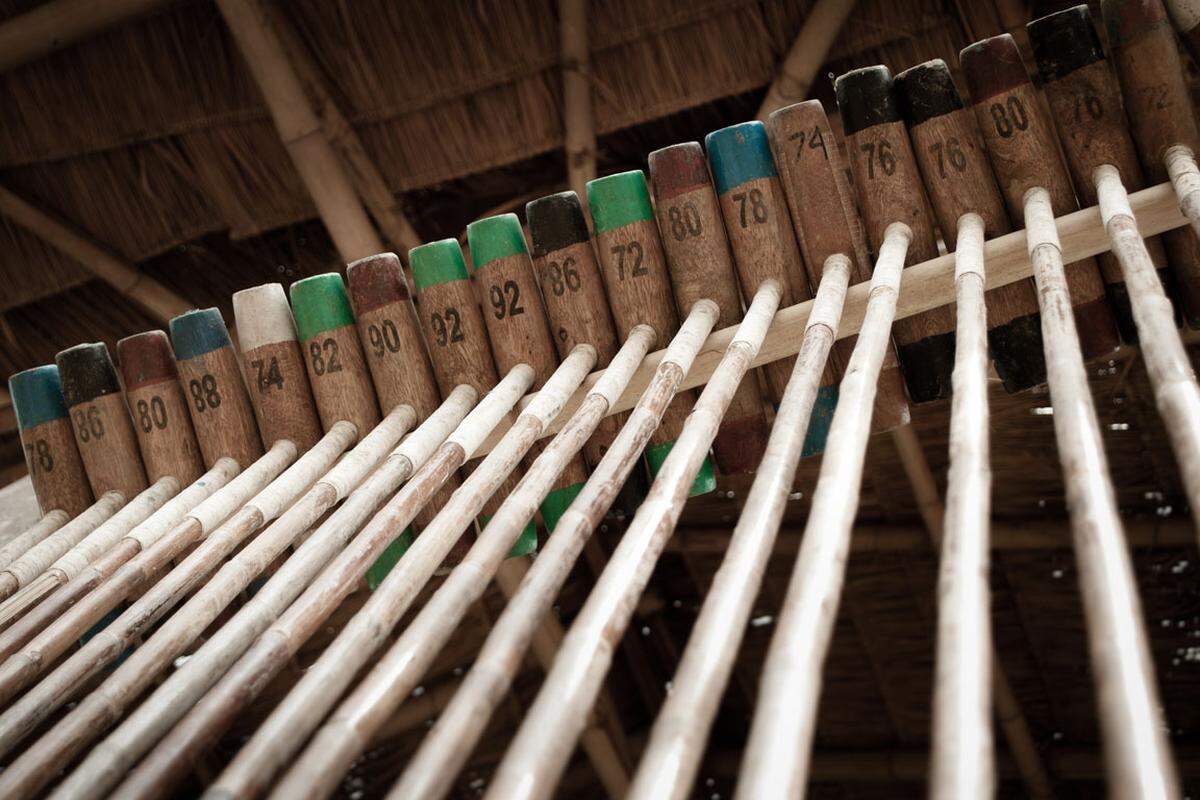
column 153, row 139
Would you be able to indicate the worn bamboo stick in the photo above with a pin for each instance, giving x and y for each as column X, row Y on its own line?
column 19, row 544
column 430, row 774
column 290, row 724
column 21, row 569
column 1138, row 762
column 677, row 741
column 36, row 765
column 786, row 713
column 578, row 119
column 105, row 588
column 279, row 642
column 25, row 571
column 1185, row 178
column 963, row 760
column 105, row 704
column 822, row 24
column 80, row 570
column 544, row 743
column 187, row 684
column 1171, row 375
column 349, row 731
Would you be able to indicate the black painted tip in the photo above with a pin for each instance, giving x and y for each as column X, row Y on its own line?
column 928, row 366
column 866, row 98
column 1016, row 350
column 87, row 372
column 927, row 91
column 1064, row 42
column 555, row 222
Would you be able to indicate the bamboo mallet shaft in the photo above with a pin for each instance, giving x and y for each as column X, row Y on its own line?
column 15, row 547
column 279, row 642
column 45, row 648
column 1171, row 375
column 294, row 719
column 1138, row 762
column 786, row 713
column 76, row 574
column 963, row 761
column 187, row 684
column 1185, row 177
column 39, row 763
column 542, row 746
column 107, row 702
column 431, row 772
column 677, row 740
column 349, row 731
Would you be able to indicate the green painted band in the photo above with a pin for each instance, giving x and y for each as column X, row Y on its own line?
column 320, row 304
column 389, row 558
column 525, row 544
column 495, row 237
column 556, row 504
column 437, row 262
column 820, row 420
column 705, row 481
column 619, row 200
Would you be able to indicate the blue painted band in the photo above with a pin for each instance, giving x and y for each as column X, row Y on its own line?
column 198, row 332
column 739, row 154
column 37, row 396
column 820, row 420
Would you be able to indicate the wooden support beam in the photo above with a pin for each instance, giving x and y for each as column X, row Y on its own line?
column 927, row 285
column 53, row 26
column 1040, row 534
column 160, row 302
column 366, row 177
column 324, row 175
column 578, row 118
column 817, row 35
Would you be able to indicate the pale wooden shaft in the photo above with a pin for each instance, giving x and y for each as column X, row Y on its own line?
column 776, row 759
column 1185, row 177
column 1138, row 757
column 26, row 539
column 70, row 533
column 80, row 559
column 105, row 703
column 185, row 685
column 822, row 24
column 578, row 119
column 430, row 774
column 677, row 741
column 1171, row 375
column 153, row 555
column 963, row 762
column 927, row 285
column 294, row 718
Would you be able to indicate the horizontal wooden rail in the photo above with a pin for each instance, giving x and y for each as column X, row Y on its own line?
column 927, row 285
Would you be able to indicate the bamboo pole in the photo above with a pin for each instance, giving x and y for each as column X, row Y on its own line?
column 543, row 745
column 187, row 684
column 80, row 578
column 105, row 704
column 817, row 34
column 578, row 117
column 431, row 772
column 927, row 285
column 1185, row 178
column 19, row 544
column 160, row 302
column 1171, row 375
column 350, row 730
column 38, row 763
column 294, row 719
column 279, row 642
column 1138, row 762
column 54, row 26
column 680, row 733
column 41, row 557
column 786, row 714
column 313, row 156
column 366, row 177
column 22, row 568
column 963, row 761
column 20, row 668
